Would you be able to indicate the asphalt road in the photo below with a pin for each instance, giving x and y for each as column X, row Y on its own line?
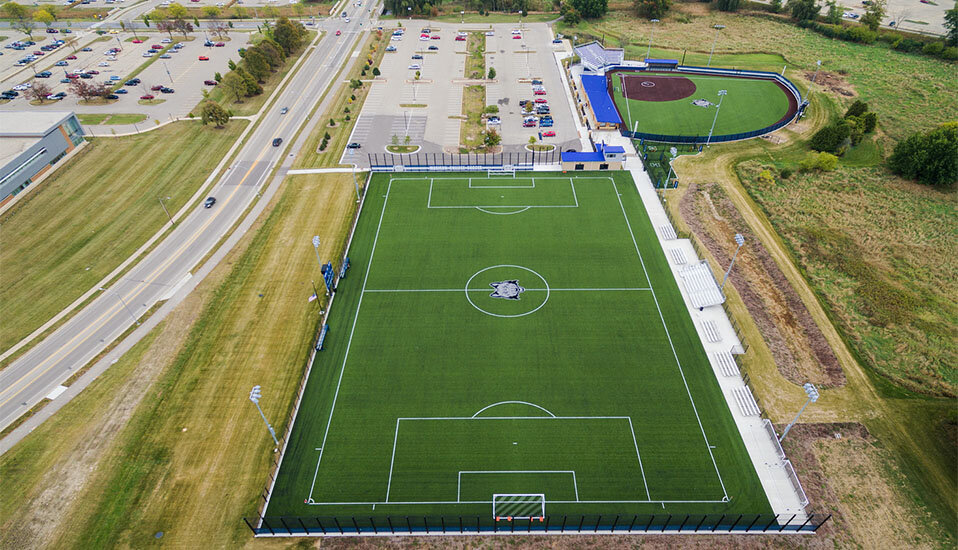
column 34, row 375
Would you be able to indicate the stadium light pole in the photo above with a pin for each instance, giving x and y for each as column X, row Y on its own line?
column 714, row 40
column 739, row 240
column 812, row 392
column 648, row 52
column 255, row 395
column 520, row 20
column 818, row 65
column 721, row 93
column 316, row 248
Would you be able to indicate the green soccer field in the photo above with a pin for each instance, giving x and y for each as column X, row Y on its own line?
column 511, row 336
column 750, row 105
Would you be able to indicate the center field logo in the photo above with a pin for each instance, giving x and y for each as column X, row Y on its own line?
column 510, row 290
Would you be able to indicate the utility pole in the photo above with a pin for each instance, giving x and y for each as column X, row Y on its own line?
column 255, row 395
column 165, row 210
column 739, row 240
column 812, row 392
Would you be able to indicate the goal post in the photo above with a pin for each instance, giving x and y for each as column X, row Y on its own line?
column 510, row 506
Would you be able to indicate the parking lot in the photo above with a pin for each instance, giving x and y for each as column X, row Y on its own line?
column 182, row 70
column 429, row 110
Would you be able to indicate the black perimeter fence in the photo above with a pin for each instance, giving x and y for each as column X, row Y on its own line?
column 461, row 161
column 487, row 525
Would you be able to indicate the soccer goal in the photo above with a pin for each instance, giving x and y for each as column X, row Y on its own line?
column 507, row 170
column 510, row 506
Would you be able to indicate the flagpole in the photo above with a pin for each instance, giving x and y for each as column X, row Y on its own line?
column 315, row 292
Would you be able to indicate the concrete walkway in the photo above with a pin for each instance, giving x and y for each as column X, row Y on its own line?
column 720, row 341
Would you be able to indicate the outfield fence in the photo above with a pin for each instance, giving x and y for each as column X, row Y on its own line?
column 552, row 524
column 460, row 162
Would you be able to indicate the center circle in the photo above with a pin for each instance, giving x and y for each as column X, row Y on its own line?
column 503, row 272
column 647, row 84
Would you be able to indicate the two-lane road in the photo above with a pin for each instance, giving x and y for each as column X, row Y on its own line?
column 34, row 375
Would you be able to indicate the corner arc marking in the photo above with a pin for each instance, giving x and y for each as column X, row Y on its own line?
column 543, row 409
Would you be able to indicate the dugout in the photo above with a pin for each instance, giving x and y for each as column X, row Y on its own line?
column 661, row 64
column 599, row 108
column 605, row 157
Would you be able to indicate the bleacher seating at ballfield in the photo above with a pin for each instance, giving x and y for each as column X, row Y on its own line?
column 595, row 57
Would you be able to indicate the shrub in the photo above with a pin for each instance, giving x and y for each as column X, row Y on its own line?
column 332, row 122
column 766, row 178
column 376, row 71
column 931, row 158
column 346, row 118
column 950, row 54
column 491, row 109
column 785, row 173
column 933, row 48
column 871, row 121
column 858, row 108
column 831, row 137
column 823, row 162
column 326, row 136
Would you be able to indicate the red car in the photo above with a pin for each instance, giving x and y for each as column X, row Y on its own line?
column 517, row 37
column 434, row 37
column 71, row 57
column 539, row 92
column 204, row 58
column 137, row 41
column 38, row 52
column 156, row 47
column 541, row 100
column 72, row 75
column 460, row 39
column 219, row 44
column 156, row 87
column 146, row 97
column 548, row 133
column 93, row 71
column 339, row 33
column 209, row 82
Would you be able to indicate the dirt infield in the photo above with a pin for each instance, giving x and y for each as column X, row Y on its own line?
column 645, row 87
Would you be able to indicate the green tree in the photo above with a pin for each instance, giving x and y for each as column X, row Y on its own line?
column 776, row 6
column 834, row 14
column 652, row 9
column 492, row 73
column 146, row 19
column 213, row 113
column 803, row 10
column 931, row 159
column 729, row 5
column 491, row 138
column 288, row 35
column 211, row 12
column 832, row 137
column 858, row 108
column 569, row 14
column 591, row 9
column 252, row 86
column 20, row 17
column 43, row 16
column 257, row 65
column 376, row 71
column 272, row 52
column 177, row 11
column 951, row 24
column 874, row 13
column 871, row 121
column 234, row 85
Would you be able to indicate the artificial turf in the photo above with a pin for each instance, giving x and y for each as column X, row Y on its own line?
column 592, row 388
column 751, row 104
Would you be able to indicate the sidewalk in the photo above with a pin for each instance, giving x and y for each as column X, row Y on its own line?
column 720, row 342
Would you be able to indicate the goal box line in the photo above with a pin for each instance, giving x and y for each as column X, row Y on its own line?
column 575, row 485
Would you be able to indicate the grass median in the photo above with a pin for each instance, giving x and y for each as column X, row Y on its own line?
column 90, row 215
column 174, row 466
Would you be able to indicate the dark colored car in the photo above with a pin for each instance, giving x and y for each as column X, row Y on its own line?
column 121, row 91
column 277, row 142
column 353, row 145
column 433, row 47
column 86, row 75
column 132, row 82
column 209, row 202
column 166, row 90
column 44, row 74
column 112, row 96
column 209, row 82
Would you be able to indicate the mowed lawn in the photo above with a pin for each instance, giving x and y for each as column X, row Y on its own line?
column 749, row 105
column 426, row 378
column 92, row 213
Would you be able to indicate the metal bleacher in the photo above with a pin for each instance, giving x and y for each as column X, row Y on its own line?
column 595, row 57
column 726, row 363
column 746, row 402
column 701, row 286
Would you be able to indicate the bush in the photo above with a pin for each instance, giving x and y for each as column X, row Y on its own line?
column 858, row 108
column 491, row 109
column 933, row 48
column 871, row 121
column 376, row 71
column 950, row 54
column 785, row 173
column 931, row 159
column 823, row 162
column 831, row 137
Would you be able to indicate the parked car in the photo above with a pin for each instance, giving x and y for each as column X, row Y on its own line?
column 156, row 47
column 44, row 74
column 339, row 32
column 434, row 37
column 147, row 97
column 61, row 63
column 112, row 96
column 137, row 41
column 166, row 56
column 209, row 82
column 103, row 64
column 209, row 202
column 204, row 58
column 148, row 54
column 65, row 80
column 219, row 44
column 132, row 82
column 493, row 120
column 121, row 91
column 390, row 48
column 86, row 76
column 353, row 145
column 71, row 57
column 433, row 48
column 517, row 37
column 460, row 38
column 86, row 49
column 166, row 41
column 557, row 41
column 52, row 31
column 415, row 67
column 548, row 133
column 277, row 142
column 166, row 90
column 541, row 100
column 156, row 87
column 57, row 96
column 416, row 56
column 536, row 82
column 529, row 124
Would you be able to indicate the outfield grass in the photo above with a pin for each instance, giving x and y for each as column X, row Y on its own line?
column 425, row 375
column 90, row 215
column 749, row 105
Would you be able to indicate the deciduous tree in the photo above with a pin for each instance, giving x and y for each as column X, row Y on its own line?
column 234, row 86
column 39, row 91
column 213, row 113
column 652, row 9
column 803, row 10
column 930, row 158
column 874, row 13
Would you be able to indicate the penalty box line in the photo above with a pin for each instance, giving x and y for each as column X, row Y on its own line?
column 429, row 204
column 575, row 485
column 635, row 442
column 620, row 289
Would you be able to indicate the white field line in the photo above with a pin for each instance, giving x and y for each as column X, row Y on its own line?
column 433, row 502
column 459, row 483
column 641, row 468
column 429, row 204
column 678, row 363
column 349, row 343
column 621, row 289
